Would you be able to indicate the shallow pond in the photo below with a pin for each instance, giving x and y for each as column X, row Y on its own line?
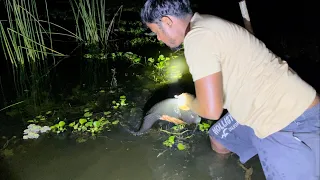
column 119, row 156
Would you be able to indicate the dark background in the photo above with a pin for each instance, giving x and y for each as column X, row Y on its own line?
column 288, row 28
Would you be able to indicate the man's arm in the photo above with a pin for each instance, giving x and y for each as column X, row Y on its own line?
column 209, row 93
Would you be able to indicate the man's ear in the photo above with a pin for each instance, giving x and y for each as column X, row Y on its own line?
column 167, row 21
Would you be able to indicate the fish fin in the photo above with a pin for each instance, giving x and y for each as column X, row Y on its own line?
column 172, row 119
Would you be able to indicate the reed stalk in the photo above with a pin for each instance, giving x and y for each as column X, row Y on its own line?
column 91, row 23
column 27, row 44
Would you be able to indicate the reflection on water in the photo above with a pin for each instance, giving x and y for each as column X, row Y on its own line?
column 120, row 156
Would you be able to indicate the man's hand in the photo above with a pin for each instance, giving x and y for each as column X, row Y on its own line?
column 172, row 119
column 185, row 101
column 209, row 101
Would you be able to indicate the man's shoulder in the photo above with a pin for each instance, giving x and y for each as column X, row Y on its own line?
column 209, row 21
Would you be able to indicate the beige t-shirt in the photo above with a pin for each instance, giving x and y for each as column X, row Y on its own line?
column 260, row 90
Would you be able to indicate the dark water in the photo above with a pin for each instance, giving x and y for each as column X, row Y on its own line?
column 119, row 156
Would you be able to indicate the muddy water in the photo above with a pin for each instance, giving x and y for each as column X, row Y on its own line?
column 119, row 156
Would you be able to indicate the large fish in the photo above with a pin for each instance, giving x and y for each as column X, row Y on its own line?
column 166, row 108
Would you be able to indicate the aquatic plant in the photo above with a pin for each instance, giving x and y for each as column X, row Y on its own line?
column 5, row 150
column 177, row 137
column 33, row 131
column 91, row 23
column 122, row 102
column 179, row 133
column 204, row 127
column 86, row 126
column 22, row 38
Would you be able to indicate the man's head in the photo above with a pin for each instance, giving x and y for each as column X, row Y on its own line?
column 169, row 19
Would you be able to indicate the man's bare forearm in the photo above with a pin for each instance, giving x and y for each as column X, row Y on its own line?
column 196, row 107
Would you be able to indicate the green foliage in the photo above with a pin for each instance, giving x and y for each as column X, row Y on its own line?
column 59, row 127
column 181, row 146
column 170, row 141
column 204, row 127
column 176, row 137
column 88, row 125
column 22, row 38
column 164, row 72
column 179, row 135
column 142, row 41
column 91, row 125
column 121, row 102
column 6, row 150
column 89, row 122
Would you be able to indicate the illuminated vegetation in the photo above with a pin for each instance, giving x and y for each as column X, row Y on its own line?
column 114, row 73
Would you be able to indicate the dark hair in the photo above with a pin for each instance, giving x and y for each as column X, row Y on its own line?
column 154, row 10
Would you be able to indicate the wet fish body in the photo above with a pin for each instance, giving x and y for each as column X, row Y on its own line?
column 167, row 107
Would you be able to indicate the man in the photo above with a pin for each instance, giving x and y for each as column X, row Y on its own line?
column 272, row 112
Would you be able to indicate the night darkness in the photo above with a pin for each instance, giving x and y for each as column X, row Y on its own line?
column 290, row 29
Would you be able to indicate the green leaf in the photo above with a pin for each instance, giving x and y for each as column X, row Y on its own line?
column 181, row 146
column 87, row 114
column 96, row 124
column 82, row 120
column 88, row 124
column 106, row 113
column 122, row 97
column 171, row 139
column 30, row 121
column 48, row 112
column 115, row 122
column 86, row 110
column 84, row 128
column 61, row 123
column 72, row 124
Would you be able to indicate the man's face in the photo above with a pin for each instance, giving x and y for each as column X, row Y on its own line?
column 167, row 32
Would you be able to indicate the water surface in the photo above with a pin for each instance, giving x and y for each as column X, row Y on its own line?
column 119, row 156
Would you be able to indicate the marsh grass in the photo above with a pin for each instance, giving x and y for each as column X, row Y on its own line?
column 27, row 43
column 91, row 23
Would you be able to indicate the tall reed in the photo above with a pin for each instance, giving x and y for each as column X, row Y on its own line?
column 22, row 38
column 91, row 23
